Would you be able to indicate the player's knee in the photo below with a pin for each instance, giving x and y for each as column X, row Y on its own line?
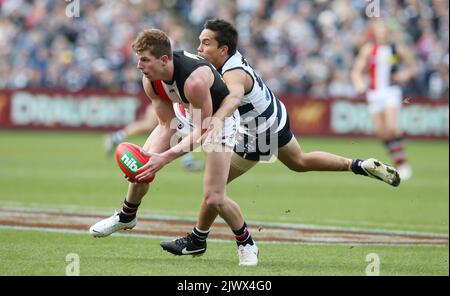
column 298, row 166
column 381, row 134
column 214, row 199
column 391, row 133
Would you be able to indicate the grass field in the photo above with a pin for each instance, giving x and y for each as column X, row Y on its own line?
column 39, row 253
column 69, row 172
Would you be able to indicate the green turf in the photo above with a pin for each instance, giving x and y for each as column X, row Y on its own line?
column 37, row 253
column 69, row 171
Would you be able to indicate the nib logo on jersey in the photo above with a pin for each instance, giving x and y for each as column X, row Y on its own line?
column 129, row 161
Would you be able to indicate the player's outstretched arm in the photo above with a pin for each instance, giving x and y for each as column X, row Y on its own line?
column 235, row 81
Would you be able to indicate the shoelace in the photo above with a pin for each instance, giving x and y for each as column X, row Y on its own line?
column 245, row 252
column 184, row 240
column 110, row 221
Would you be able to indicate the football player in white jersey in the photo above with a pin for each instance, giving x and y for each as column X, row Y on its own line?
column 381, row 59
column 263, row 120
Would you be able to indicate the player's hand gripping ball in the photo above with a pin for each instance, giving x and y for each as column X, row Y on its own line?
column 130, row 159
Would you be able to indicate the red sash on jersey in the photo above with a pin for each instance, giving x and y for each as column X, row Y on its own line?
column 182, row 110
column 160, row 91
column 373, row 67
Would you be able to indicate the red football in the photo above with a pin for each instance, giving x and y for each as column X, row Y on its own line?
column 130, row 159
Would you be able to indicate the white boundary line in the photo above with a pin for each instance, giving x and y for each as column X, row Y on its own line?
column 217, row 240
column 251, row 222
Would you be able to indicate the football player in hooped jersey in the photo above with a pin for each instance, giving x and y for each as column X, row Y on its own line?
column 384, row 95
column 194, row 83
column 254, row 101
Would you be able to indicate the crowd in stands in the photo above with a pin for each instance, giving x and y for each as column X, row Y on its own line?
column 301, row 46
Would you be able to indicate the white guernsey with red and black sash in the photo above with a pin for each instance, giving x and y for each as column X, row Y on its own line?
column 383, row 63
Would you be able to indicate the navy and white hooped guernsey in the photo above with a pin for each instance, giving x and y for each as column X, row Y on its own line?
column 263, row 115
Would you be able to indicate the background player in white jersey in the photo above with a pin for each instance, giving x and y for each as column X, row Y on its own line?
column 145, row 125
column 177, row 76
column 381, row 59
column 250, row 95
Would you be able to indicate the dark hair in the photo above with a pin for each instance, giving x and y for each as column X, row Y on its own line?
column 226, row 34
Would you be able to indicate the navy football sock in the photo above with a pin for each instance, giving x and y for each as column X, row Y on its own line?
column 200, row 235
column 128, row 212
column 243, row 236
column 356, row 167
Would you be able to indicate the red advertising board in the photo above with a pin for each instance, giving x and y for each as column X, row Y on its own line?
column 59, row 109
column 419, row 118
column 101, row 110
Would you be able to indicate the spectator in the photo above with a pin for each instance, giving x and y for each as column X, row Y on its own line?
column 298, row 46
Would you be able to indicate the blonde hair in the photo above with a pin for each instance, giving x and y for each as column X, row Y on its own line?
column 153, row 40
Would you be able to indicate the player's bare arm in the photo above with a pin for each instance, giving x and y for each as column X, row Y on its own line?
column 159, row 139
column 238, row 82
column 406, row 56
column 357, row 74
column 197, row 91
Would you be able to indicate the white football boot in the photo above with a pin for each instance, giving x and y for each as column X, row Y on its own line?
column 248, row 255
column 378, row 170
column 110, row 225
